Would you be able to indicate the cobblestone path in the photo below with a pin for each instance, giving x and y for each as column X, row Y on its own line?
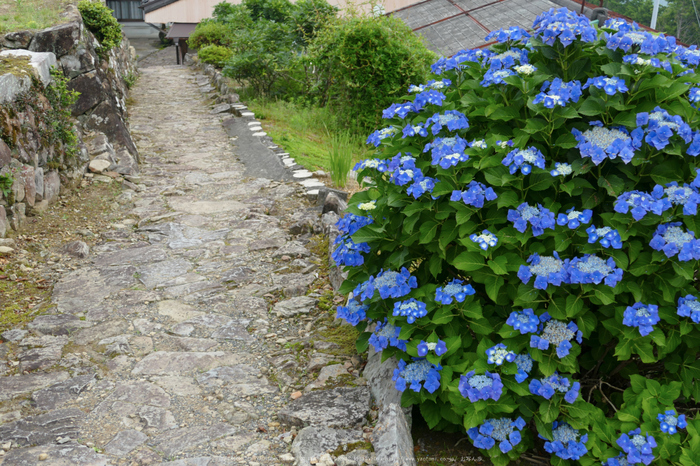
column 162, row 347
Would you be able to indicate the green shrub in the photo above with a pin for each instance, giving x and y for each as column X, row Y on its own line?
column 210, row 32
column 62, row 99
column 99, row 20
column 214, row 54
column 368, row 62
column 528, row 245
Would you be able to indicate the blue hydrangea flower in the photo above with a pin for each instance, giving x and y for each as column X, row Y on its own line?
column 601, row 143
column 455, row 62
column 611, row 86
column 547, row 269
column 452, row 119
column 403, row 169
column 555, row 383
column 556, row 333
column 620, row 24
column 525, row 321
column 694, row 95
column 377, row 164
column 558, row 93
column 561, row 169
column 524, row 365
column 400, row 110
column 430, row 96
column 671, row 422
column 690, row 55
column 475, row 195
column 411, row 309
column 686, row 195
column 478, row 143
column 643, row 42
column 421, row 370
column 514, row 33
column 499, row 354
column 643, row 316
column 635, row 59
column 414, row 130
column 574, row 218
column 689, row 307
column 501, row 430
column 348, row 252
column 389, row 283
column 480, row 387
column 671, row 239
column 539, row 217
column 421, row 185
column 619, row 460
column 386, row 334
column 641, row 204
column 508, row 59
column 351, row 223
column 447, row 152
column 637, row 446
column 376, row 138
column 522, row 159
column 563, row 25
column 354, row 313
column 566, row 444
column 485, row 240
column 456, row 290
column 432, row 84
column 494, row 76
column 659, row 126
column 505, row 144
column 593, row 269
column 527, row 69
column 606, row 236
column 439, row 348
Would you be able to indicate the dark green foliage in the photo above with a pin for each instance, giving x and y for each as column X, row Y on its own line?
column 210, row 32
column 59, row 117
column 214, row 54
column 277, row 11
column 99, row 20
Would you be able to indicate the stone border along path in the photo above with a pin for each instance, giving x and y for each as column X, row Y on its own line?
column 163, row 348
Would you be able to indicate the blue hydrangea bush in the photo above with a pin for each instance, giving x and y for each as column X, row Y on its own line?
column 526, row 246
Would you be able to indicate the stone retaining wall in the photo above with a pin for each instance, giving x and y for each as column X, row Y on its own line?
column 29, row 151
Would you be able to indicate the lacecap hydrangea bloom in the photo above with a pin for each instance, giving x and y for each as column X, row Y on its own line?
column 475, row 194
column 386, row 334
column 555, row 383
column 563, row 25
column 351, row 223
column 499, row 354
column 689, row 306
column 504, row 431
column 673, row 240
column 455, row 290
column 403, row 169
column 508, row 59
column 523, row 160
column 659, row 126
column 459, row 60
column 561, row 169
column 480, row 387
column 610, row 86
column 567, row 443
column 414, row 130
column 574, row 218
column 640, row 204
column 412, row 309
column 389, row 283
column 546, row 269
column 675, row 195
column 606, row 236
column 524, row 321
column 539, row 217
column 431, row 96
column 354, row 313
column 496, row 76
column 377, row 164
column 671, row 422
column 485, row 240
column 400, row 110
column 447, row 152
column 557, row 334
column 638, row 447
column 415, row 373
column 642, row 41
column 558, row 93
column 524, row 364
column 637, row 60
column 453, row 120
column 439, row 348
column 432, row 84
column 421, row 185
column 514, row 33
column 600, row 143
column 643, row 316
column 694, row 94
column 347, row 252
column 376, row 138
column 593, row 269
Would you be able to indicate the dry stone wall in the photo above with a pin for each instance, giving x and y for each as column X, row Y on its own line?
column 40, row 163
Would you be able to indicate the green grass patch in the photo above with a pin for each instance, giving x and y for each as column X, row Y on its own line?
column 307, row 132
column 17, row 15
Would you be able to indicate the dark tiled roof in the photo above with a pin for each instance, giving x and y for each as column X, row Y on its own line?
column 152, row 5
column 452, row 25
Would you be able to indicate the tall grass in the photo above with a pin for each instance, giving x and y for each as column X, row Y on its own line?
column 16, row 15
column 340, row 157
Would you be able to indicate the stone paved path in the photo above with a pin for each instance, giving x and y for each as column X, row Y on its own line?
column 162, row 347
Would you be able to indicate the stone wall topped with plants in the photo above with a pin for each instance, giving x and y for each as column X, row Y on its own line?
column 60, row 88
